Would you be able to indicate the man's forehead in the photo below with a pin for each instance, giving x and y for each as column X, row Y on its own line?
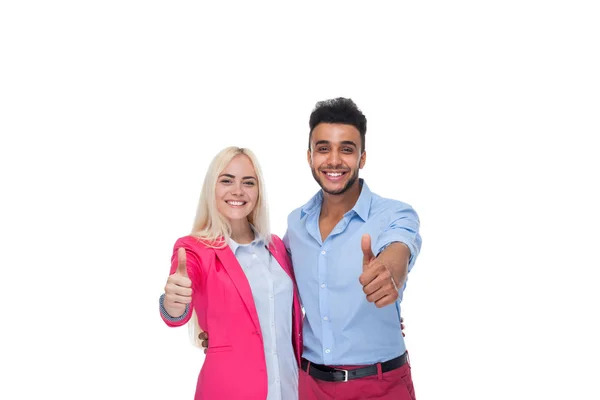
column 335, row 133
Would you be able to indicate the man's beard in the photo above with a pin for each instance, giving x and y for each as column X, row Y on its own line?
column 343, row 190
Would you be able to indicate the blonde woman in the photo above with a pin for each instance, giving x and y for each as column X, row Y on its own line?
column 234, row 279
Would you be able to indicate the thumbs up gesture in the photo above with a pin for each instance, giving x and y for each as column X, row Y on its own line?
column 178, row 290
column 368, row 256
column 377, row 280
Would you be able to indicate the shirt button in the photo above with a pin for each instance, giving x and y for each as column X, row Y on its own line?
column 323, row 252
column 327, row 351
column 270, row 295
column 325, row 318
column 323, row 286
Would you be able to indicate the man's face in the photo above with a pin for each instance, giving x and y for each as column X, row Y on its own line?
column 335, row 156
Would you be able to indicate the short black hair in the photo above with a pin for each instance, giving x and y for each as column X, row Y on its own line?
column 339, row 111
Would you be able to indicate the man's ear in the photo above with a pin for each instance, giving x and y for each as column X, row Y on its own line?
column 363, row 159
column 309, row 157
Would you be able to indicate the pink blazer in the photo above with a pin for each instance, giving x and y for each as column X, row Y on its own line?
column 235, row 366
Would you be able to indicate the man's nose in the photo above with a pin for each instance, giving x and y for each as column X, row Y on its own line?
column 334, row 158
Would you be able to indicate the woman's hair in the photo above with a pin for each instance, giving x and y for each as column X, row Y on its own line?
column 211, row 227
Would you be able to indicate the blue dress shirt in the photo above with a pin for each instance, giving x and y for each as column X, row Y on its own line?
column 341, row 327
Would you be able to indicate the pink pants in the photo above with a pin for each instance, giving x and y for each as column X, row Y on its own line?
column 393, row 385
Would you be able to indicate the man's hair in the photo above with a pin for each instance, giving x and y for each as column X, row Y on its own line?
column 339, row 111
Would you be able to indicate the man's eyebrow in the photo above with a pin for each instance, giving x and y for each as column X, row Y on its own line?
column 343, row 142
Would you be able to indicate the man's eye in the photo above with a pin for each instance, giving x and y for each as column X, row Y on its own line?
column 322, row 149
column 347, row 150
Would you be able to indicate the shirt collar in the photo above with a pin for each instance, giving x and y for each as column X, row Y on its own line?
column 235, row 245
column 361, row 208
column 313, row 204
column 363, row 204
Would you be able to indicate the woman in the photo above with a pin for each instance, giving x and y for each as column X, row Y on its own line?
column 237, row 280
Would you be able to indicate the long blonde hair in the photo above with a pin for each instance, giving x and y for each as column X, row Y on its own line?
column 212, row 228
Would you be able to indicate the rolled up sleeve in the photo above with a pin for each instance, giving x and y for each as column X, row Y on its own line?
column 403, row 227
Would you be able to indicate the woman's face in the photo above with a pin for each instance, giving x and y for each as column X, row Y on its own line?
column 237, row 189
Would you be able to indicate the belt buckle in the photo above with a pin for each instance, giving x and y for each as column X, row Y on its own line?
column 345, row 371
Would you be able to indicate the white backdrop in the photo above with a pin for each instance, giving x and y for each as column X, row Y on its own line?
column 481, row 115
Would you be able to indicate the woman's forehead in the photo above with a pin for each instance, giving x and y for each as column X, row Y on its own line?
column 241, row 166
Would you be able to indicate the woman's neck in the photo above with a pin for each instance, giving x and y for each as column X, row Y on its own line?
column 241, row 231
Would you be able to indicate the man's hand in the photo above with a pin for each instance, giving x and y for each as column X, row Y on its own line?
column 178, row 290
column 204, row 337
column 377, row 280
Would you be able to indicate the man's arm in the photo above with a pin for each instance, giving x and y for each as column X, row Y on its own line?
column 395, row 258
column 383, row 276
column 398, row 246
column 286, row 243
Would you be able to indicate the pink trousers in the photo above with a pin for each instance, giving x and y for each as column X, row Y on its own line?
column 392, row 385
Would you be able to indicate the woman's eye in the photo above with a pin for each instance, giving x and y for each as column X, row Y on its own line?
column 226, row 181
column 249, row 183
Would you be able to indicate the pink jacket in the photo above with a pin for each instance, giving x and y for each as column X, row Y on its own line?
column 235, row 366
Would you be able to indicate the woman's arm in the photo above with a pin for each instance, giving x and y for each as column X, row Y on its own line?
column 177, row 302
column 178, row 290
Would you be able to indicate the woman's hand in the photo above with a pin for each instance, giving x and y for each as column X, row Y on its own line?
column 178, row 290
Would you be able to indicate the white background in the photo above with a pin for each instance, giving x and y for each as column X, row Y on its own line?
column 481, row 115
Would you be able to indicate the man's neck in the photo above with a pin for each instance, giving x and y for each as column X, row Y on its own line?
column 335, row 206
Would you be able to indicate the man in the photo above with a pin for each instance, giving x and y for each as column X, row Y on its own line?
column 352, row 251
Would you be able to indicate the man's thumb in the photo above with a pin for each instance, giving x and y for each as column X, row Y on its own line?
column 181, row 262
column 365, row 244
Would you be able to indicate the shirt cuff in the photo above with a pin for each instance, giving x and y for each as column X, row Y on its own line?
column 166, row 315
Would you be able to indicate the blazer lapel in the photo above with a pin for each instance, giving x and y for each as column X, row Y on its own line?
column 240, row 281
column 281, row 259
column 280, row 254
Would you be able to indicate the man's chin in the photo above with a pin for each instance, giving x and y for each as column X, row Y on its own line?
column 340, row 187
column 334, row 190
